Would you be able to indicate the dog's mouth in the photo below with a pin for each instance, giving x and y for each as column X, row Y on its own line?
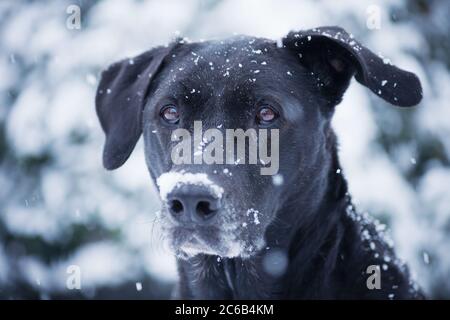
column 212, row 240
column 197, row 243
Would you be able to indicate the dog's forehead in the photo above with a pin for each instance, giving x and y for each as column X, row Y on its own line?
column 227, row 53
column 240, row 60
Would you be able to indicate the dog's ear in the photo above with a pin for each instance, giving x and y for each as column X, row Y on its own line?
column 333, row 56
column 119, row 103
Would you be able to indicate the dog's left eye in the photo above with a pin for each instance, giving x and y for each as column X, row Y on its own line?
column 266, row 115
column 170, row 114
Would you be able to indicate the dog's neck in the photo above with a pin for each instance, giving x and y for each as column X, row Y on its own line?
column 298, row 242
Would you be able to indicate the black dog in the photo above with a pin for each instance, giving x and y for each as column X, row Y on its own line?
column 236, row 233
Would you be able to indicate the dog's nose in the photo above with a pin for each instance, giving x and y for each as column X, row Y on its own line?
column 193, row 204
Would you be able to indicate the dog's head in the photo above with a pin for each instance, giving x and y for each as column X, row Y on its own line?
column 221, row 204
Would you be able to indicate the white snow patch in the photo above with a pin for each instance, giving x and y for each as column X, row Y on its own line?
column 426, row 258
column 255, row 214
column 170, row 180
column 277, row 179
column 138, row 286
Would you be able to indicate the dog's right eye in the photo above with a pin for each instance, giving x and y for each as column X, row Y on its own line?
column 170, row 114
column 266, row 115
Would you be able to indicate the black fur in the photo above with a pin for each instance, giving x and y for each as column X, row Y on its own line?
column 310, row 217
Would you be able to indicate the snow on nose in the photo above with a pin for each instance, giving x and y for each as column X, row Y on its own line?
column 169, row 181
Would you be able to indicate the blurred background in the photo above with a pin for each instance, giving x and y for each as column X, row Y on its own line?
column 59, row 208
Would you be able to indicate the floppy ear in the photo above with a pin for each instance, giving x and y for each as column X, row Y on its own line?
column 334, row 57
column 120, row 100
